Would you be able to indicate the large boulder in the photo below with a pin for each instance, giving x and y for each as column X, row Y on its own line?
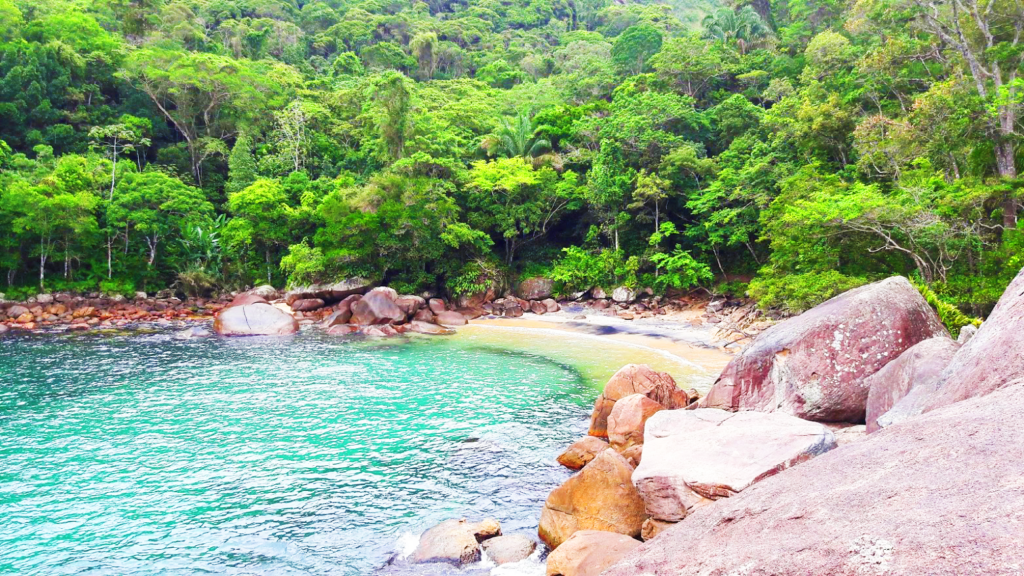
column 454, row 541
column 627, row 420
column 259, row 319
column 623, row 295
column 450, row 318
column 246, row 298
column 265, row 291
column 307, row 305
column 508, row 549
column 599, row 497
column 410, row 304
column 635, row 379
column 938, row 494
column 815, row 365
column 990, row 359
column 692, row 457
column 329, row 292
column 535, row 288
column 920, row 365
column 581, row 452
column 588, row 553
column 376, row 308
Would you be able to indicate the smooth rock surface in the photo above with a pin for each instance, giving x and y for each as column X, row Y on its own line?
column 623, row 295
column 694, row 456
column 454, row 541
column 992, row 358
column 450, row 318
column 919, row 365
column 588, row 553
column 941, row 494
column 535, row 288
column 508, row 549
column 599, row 497
column 581, row 452
column 635, row 379
column 307, row 305
column 259, row 319
column 627, row 419
column 247, row 298
column 815, row 365
column 376, row 308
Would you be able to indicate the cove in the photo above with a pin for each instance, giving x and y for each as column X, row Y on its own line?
column 307, row 455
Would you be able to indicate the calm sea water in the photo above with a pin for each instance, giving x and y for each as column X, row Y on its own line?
column 139, row 454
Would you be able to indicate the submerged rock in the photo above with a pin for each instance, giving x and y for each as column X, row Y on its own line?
column 938, row 494
column 588, row 553
column 599, row 497
column 815, row 365
column 454, row 542
column 254, row 320
column 692, row 457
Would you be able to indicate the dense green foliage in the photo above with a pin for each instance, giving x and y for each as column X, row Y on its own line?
column 803, row 146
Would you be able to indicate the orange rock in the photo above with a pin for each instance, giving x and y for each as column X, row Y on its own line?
column 599, row 497
column 581, row 452
column 627, row 419
column 588, row 553
column 635, row 379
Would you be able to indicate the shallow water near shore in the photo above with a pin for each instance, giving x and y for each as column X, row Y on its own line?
column 306, row 455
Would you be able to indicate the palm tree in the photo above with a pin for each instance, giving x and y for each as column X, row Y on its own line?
column 743, row 27
column 515, row 137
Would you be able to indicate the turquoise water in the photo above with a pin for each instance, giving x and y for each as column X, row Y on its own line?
column 308, row 455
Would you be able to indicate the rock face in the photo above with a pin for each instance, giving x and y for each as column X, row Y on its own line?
column 581, row 452
column 993, row 357
column 508, row 549
column 814, row 366
column 938, row 494
column 329, row 292
column 635, row 379
column 454, row 541
column 535, row 288
column 694, row 456
column 376, row 308
column 254, row 320
column 623, row 295
column 920, row 365
column 599, row 497
column 627, row 419
column 588, row 553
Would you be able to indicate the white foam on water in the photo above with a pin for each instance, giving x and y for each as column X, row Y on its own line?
column 406, row 544
column 531, row 566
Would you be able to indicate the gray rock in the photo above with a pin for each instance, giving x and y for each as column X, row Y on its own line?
column 254, row 320
column 454, row 542
column 535, row 288
column 966, row 333
column 623, row 295
column 44, row 298
column 508, row 549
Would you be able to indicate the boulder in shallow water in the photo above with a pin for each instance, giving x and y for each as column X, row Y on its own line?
column 254, row 320
column 992, row 358
column 919, row 365
column 337, row 317
column 938, row 494
column 635, row 379
column 601, row 496
column 376, row 308
column 421, row 327
column 692, row 457
column 815, row 366
column 627, row 419
column 454, row 542
column 581, row 452
column 508, row 549
column 588, row 553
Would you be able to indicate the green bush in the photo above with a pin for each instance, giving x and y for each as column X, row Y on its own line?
column 798, row 292
column 951, row 316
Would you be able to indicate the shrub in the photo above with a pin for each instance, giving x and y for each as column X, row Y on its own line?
column 798, row 292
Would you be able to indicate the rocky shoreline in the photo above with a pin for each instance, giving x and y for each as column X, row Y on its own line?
column 857, row 438
column 356, row 306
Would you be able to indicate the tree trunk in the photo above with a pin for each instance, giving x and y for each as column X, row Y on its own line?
column 113, row 170
column 267, row 254
column 1005, row 164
